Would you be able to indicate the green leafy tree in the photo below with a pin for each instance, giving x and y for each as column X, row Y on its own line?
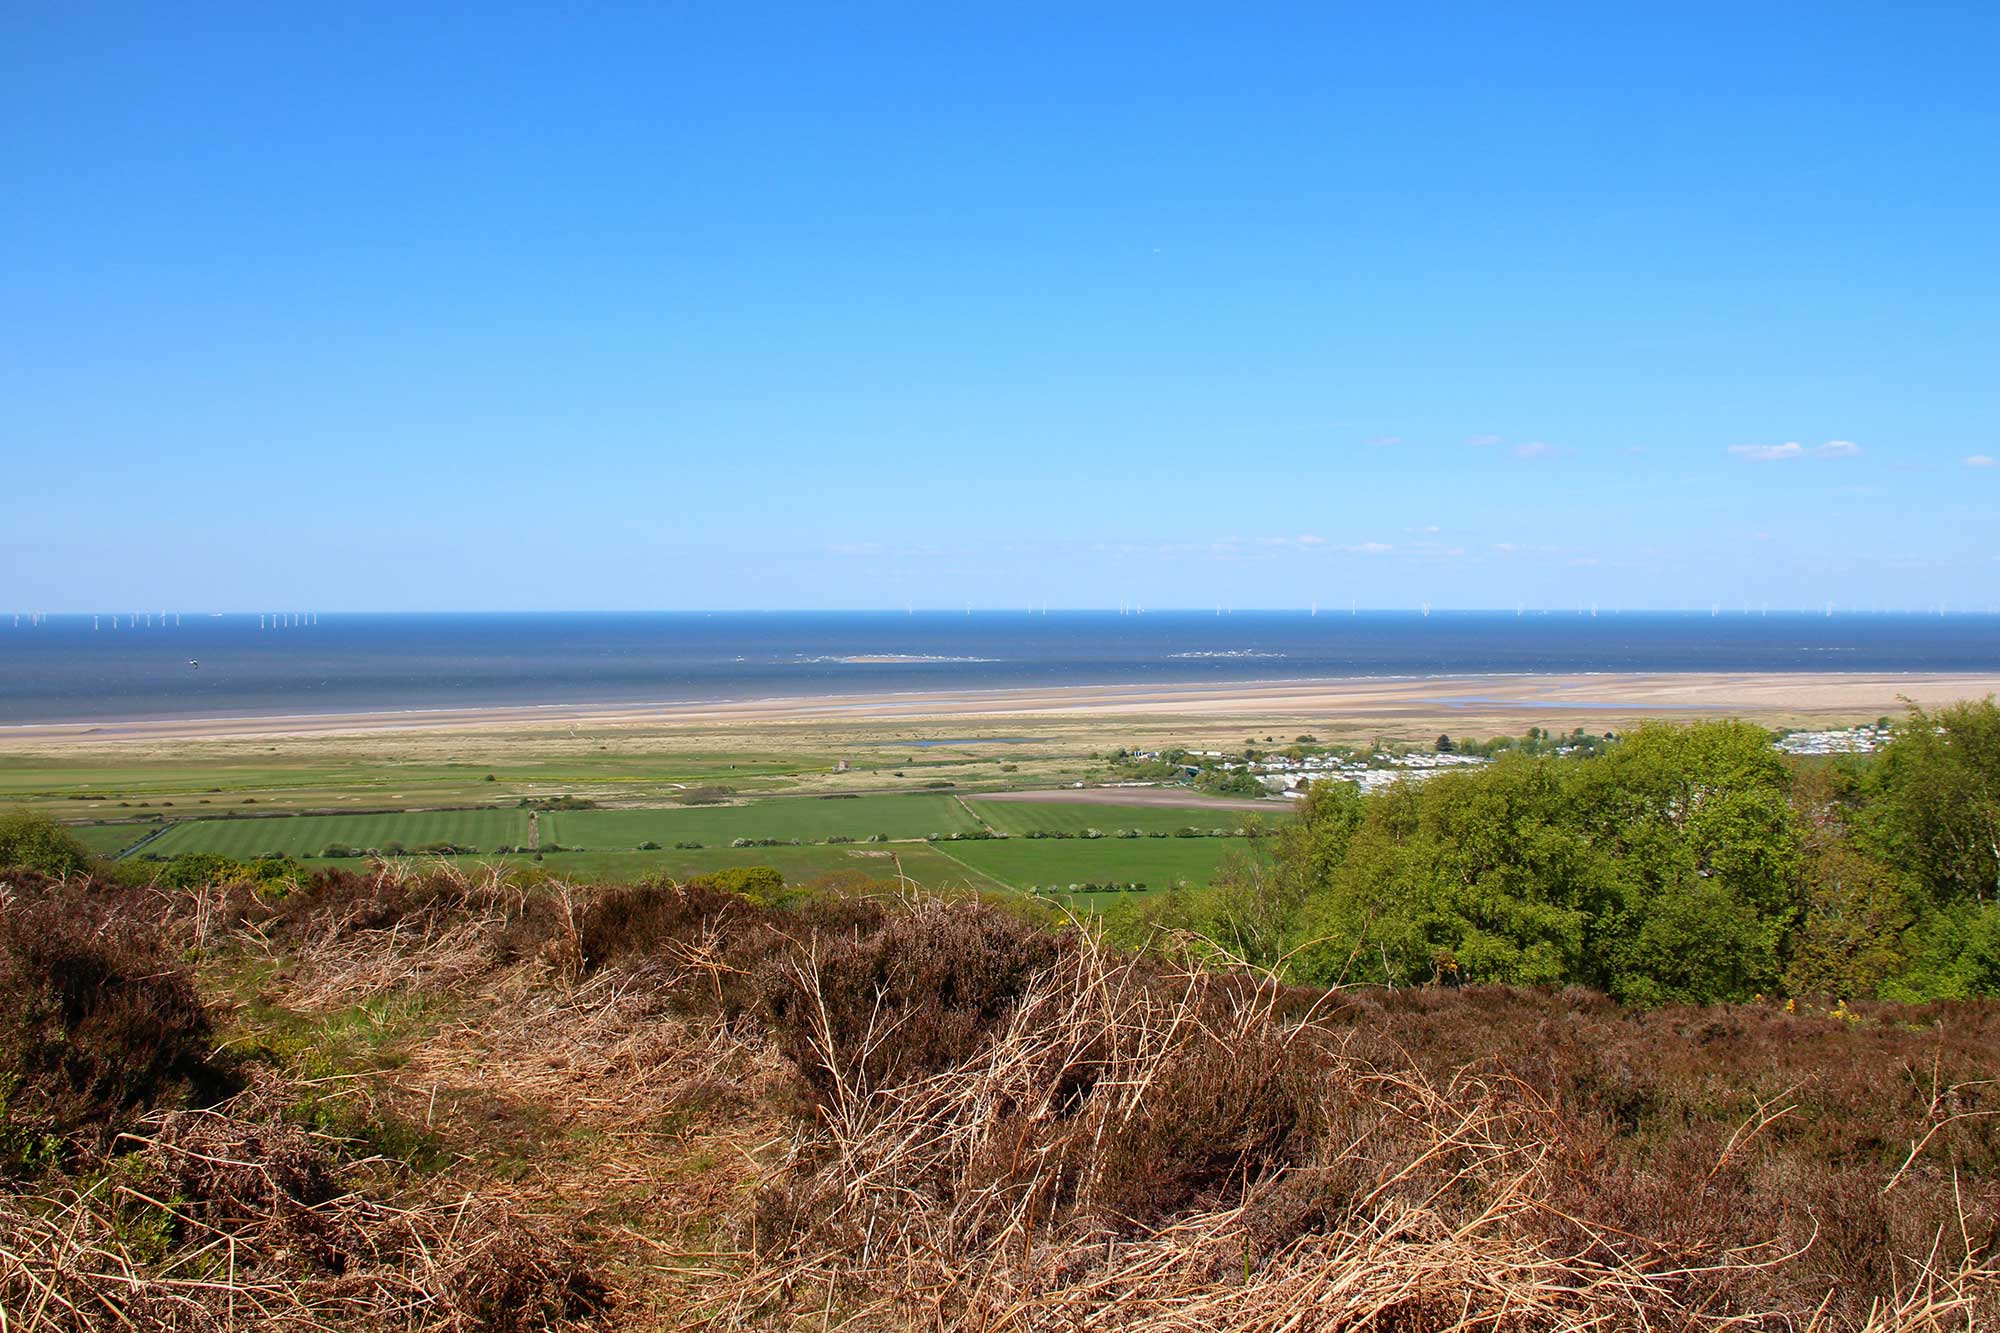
column 1856, row 911
column 1936, row 800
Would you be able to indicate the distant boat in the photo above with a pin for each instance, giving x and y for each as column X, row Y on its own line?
column 196, row 665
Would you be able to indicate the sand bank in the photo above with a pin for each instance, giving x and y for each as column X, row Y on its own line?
column 1529, row 699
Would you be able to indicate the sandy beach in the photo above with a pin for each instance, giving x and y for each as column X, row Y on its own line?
column 1526, row 700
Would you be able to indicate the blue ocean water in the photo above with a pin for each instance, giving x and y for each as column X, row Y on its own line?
column 64, row 670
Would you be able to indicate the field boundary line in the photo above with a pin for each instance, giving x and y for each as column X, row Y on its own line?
column 974, row 816
column 971, row 869
column 126, row 851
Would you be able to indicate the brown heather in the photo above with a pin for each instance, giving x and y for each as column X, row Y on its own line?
column 464, row 1102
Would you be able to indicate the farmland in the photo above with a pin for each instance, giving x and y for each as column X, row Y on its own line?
column 109, row 839
column 606, row 845
column 805, row 818
column 308, row 835
column 915, row 861
column 1021, row 817
column 1158, row 863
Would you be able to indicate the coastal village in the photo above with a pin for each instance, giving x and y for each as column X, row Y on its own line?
column 1851, row 740
column 1288, row 774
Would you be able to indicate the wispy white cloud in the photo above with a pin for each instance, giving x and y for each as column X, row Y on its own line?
column 855, row 548
column 1776, row 453
column 1981, row 460
column 1383, row 441
column 1367, row 548
column 1482, row 441
column 1534, row 449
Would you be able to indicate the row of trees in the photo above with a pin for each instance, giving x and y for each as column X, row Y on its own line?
column 1681, row 864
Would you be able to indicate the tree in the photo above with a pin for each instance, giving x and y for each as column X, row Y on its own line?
column 1857, row 909
column 1443, row 745
column 1937, row 800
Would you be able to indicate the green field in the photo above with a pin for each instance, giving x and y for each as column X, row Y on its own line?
column 106, row 839
column 799, row 865
column 1158, row 863
column 1019, row 817
column 809, row 819
column 307, row 835
column 603, row 844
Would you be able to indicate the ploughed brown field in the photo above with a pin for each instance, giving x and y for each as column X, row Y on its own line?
column 436, row 1101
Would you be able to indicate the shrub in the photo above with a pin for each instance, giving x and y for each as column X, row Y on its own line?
column 640, row 920
column 918, row 992
column 760, row 884
column 193, row 870
column 36, row 842
column 98, row 1020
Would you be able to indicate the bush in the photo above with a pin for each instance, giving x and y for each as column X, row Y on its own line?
column 98, row 1019
column 917, row 993
column 760, row 884
column 38, row 843
column 638, row 921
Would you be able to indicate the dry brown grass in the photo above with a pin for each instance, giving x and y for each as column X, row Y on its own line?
column 1147, row 1151
column 667, row 1108
column 227, row 1219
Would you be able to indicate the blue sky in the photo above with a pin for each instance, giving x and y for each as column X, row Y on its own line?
column 400, row 307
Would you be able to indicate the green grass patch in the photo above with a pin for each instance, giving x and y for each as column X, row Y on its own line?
column 1158, row 863
column 109, row 839
column 1019, row 817
column 799, row 865
column 308, row 835
column 809, row 819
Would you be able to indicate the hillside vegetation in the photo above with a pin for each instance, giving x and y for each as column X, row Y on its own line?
column 1684, row 864
column 422, row 1100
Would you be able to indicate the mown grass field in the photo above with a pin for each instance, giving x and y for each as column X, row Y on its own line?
column 809, row 819
column 308, row 835
column 604, row 844
column 110, row 839
column 1158, row 863
column 799, row 865
column 1019, row 817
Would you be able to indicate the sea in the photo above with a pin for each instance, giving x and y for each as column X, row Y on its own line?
column 93, row 668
